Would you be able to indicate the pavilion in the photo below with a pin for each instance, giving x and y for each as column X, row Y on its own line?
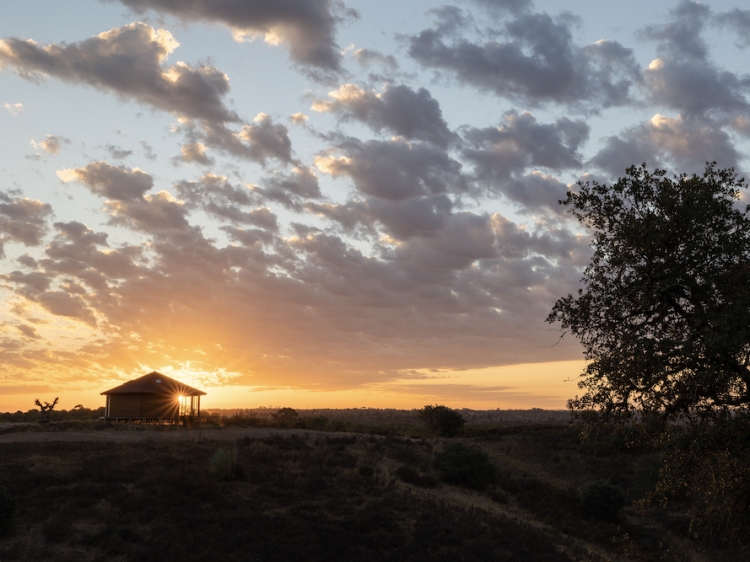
column 152, row 397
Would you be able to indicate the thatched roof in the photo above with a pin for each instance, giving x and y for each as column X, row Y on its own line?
column 155, row 383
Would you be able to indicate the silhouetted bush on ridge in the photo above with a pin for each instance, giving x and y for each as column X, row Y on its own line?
column 441, row 420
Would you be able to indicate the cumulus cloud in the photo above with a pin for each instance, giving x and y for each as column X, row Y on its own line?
column 398, row 109
column 131, row 62
column 456, row 279
column 126, row 199
column 259, row 141
column 220, row 199
column 14, row 108
column 153, row 213
column 299, row 118
column 112, row 182
column 73, row 258
column 511, row 159
column 63, row 303
column 532, row 58
column 684, row 77
column 397, row 261
column 315, row 305
column 292, row 189
column 22, row 220
column 684, row 144
column 396, row 169
column 521, row 142
column 306, row 27
column 50, row 144
column 267, row 139
column 28, row 331
column 195, row 152
column 79, row 252
column 400, row 220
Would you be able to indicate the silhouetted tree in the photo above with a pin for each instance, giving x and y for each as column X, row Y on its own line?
column 46, row 409
column 441, row 420
column 286, row 416
column 664, row 314
column 664, row 320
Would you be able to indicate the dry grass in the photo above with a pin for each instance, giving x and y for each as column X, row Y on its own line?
column 148, row 494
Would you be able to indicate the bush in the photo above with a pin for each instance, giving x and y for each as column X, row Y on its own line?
column 243, row 419
column 7, row 510
column 441, row 420
column 706, row 466
column 224, row 464
column 285, row 414
column 603, row 500
column 467, row 466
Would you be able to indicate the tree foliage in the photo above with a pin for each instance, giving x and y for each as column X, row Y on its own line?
column 706, row 467
column 285, row 415
column 664, row 314
column 441, row 420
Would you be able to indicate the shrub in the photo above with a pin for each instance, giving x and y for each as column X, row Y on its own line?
column 285, row 414
column 7, row 510
column 224, row 465
column 603, row 500
column 464, row 465
column 244, row 419
column 441, row 420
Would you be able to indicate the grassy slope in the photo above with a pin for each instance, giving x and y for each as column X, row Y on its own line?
column 305, row 499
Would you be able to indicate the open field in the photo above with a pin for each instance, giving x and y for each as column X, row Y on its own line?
column 91, row 492
column 384, row 417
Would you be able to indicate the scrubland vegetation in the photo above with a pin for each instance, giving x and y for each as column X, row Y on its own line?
column 79, row 413
column 495, row 491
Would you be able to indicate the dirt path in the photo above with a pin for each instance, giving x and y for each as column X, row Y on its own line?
column 130, row 434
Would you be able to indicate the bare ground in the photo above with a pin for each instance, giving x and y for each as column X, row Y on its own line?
column 135, row 433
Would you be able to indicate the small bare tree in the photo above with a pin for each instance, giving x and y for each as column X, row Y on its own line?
column 46, row 409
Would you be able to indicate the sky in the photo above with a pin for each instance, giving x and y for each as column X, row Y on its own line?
column 324, row 203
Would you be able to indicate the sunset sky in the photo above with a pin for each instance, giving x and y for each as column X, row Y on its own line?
column 319, row 203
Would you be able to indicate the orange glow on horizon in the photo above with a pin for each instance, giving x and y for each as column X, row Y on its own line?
column 524, row 386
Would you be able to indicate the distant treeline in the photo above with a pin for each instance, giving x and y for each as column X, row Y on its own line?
column 76, row 414
column 379, row 416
